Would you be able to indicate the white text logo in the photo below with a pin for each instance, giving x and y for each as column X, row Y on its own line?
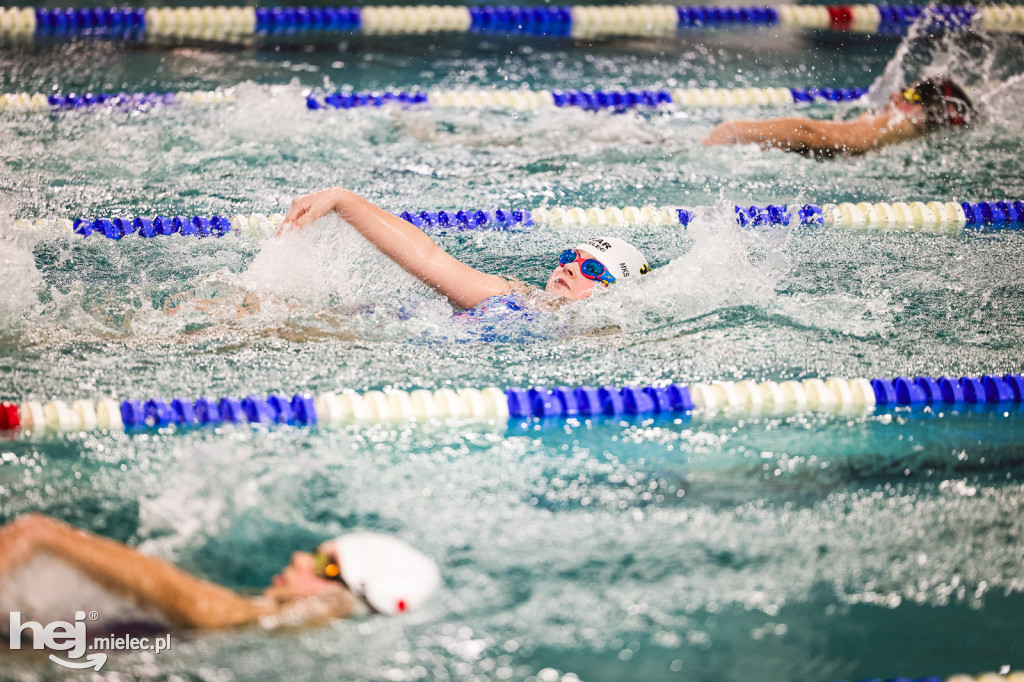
column 71, row 637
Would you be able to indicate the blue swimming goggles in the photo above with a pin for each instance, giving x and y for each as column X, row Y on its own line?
column 589, row 268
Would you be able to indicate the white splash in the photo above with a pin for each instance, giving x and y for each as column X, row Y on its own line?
column 329, row 264
column 17, row 270
column 727, row 266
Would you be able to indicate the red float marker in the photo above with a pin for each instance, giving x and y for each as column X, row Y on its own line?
column 841, row 17
column 9, row 416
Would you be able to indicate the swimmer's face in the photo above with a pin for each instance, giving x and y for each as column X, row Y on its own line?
column 299, row 580
column 567, row 280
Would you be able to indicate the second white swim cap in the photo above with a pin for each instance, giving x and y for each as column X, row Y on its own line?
column 621, row 258
column 392, row 576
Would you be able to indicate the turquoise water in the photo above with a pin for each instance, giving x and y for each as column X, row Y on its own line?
column 812, row 547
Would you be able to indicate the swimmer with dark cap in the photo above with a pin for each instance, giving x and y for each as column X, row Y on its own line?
column 590, row 266
column 922, row 107
column 355, row 574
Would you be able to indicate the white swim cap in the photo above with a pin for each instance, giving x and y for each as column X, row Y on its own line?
column 390, row 575
column 621, row 258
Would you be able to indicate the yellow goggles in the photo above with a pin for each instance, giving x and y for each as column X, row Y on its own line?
column 911, row 95
column 324, row 566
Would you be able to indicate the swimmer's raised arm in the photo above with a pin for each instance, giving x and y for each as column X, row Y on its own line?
column 801, row 134
column 402, row 242
column 387, row 576
column 185, row 599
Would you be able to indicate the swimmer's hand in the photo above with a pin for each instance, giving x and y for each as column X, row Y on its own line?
column 310, row 207
column 19, row 540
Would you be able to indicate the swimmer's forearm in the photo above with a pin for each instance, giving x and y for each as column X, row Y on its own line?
column 183, row 598
column 417, row 253
column 397, row 239
column 400, row 241
column 791, row 134
column 798, row 134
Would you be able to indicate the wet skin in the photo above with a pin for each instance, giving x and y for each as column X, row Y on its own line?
column 298, row 580
column 915, row 112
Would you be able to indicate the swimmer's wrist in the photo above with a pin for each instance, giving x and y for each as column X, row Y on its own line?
column 43, row 533
column 341, row 196
column 22, row 538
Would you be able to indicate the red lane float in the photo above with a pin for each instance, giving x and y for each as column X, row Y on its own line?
column 9, row 416
column 840, row 17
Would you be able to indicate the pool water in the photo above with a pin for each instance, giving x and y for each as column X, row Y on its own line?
column 809, row 547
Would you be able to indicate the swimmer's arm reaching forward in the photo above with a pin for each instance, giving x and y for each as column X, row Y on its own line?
column 186, row 600
column 800, row 134
column 402, row 242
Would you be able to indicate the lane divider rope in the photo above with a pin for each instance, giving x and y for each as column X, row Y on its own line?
column 494, row 404
column 224, row 23
column 984, row 677
column 588, row 100
column 934, row 216
column 131, row 101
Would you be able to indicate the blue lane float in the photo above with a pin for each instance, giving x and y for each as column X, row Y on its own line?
column 197, row 226
column 355, row 100
column 126, row 100
column 587, row 401
column 697, row 16
column 499, row 220
column 917, row 391
column 827, row 94
column 290, row 20
column 535, row 21
column 124, row 24
column 273, row 409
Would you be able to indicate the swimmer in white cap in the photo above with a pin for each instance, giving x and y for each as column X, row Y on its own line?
column 355, row 574
column 594, row 263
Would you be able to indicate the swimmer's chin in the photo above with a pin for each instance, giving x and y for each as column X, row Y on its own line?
column 559, row 288
column 293, row 610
